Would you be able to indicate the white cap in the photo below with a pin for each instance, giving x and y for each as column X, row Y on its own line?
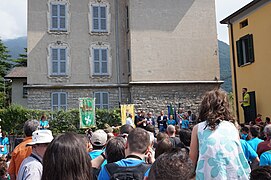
column 41, row 137
column 99, row 138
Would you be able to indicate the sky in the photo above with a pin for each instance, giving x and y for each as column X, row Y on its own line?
column 13, row 17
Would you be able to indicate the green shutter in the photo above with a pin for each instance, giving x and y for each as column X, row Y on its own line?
column 250, row 49
column 239, row 53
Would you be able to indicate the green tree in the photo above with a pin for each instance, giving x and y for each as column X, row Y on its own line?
column 21, row 60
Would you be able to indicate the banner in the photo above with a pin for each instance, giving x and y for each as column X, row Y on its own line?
column 87, row 112
column 125, row 110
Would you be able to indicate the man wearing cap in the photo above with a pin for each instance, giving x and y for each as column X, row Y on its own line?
column 98, row 142
column 31, row 167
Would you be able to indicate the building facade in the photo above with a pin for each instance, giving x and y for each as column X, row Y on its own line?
column 147, row 52
column 249, row 38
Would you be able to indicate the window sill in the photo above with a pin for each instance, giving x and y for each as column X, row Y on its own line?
column 99, row 33
column 58, row 32
column 243, row 65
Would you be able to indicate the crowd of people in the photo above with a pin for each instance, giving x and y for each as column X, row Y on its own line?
column 175, row 147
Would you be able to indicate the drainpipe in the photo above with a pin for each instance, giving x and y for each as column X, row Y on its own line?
column 117, row 48
column 234, row 72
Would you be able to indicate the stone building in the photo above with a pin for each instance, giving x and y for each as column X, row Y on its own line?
column 147, row 52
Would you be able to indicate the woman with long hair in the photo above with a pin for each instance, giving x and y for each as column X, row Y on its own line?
column 66, row 158
column 215, row 145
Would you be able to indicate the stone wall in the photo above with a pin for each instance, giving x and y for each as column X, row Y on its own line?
column 156, row 97
column 40, row 98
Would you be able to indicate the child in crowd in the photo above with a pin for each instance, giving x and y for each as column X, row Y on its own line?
column 185, row 122
column 171, row 121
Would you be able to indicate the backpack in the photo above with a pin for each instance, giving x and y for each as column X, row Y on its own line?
column 137, row 172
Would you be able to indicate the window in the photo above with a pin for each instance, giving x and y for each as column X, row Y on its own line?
column 101, row 100
column 99, row 18
column 25, row 93
column 58, row 59
column 59, row 101
column 100, row 61
column 58, row 21
column 245, row 51
column 243, row 23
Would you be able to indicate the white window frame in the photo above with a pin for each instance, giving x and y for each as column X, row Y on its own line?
column 58, row 45
column 101, row 3
column 58, row 105
column 100, row 45
column 101, row 104
column 59, row 30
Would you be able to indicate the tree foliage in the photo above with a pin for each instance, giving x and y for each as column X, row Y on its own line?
column 21, row 60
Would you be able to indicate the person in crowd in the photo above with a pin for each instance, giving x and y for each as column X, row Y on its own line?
column 265, row 158
column 258, row 119
column 162, row 122
column 31, row 167
column 129, row 120
column 261, row 173
column 185, row 122
column 137, row 149
column 114, row 151
column 98, row 142
column 3, row 169
column 44, row 123
column 125, row 130
column 180, row 114
column 216, row 153
column 171, row 121
column 66, row 158
column 245, row 103
column 185, row 137
column 150, row 119
column 244, row 133
column 163, row 146
column 177, row 131
column 174, row 164
column 267, row 120
column 21, row 151
column 191, row 117
column 172, row 136
column 161, row 135
column 250, row 154
column 266, row 145
column 4, row 143
column 141, row 121
column 254, row 133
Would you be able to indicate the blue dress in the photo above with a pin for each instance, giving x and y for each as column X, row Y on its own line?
column 220, row 153
column 5, row 142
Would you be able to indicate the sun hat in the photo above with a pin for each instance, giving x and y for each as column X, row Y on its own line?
column 99, row 138
column 41, row 137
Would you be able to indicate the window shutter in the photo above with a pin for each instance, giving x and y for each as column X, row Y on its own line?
column 239, row 53
column 62, row 17
column 250, row 49
column 63, row 101
column 104, row 60
column 95, row 16
column 105, row 100
column 62, row 61
column 54, row 17
column 54, row 61
column 96, row 59
column 103, row 18
column 97, row 100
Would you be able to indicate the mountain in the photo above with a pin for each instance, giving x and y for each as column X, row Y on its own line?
column 16, row 46
column 225, row 65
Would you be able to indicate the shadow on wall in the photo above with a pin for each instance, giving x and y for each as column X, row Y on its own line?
column 150, row 16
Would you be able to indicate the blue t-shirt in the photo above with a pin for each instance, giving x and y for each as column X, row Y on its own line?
column 254, row 143
column 123, row 163
column 171, row 122
column 185, row 124
column 250, row 154
column 43, row 124
column 95, row 153
column 265, row 159
column 5, row 142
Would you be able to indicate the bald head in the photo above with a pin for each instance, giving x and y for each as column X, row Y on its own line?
column 171, row 130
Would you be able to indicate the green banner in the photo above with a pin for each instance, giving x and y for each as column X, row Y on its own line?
column 87, row 112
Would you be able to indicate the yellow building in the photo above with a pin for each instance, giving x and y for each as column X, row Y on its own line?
column 250, row 39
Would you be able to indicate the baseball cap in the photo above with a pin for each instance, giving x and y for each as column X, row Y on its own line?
column 41, row 137
column 99, row 138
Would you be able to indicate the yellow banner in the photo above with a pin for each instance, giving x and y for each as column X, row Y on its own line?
column 127, row 109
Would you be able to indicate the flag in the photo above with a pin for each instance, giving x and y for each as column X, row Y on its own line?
column 126, row 109
column 87, row 112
